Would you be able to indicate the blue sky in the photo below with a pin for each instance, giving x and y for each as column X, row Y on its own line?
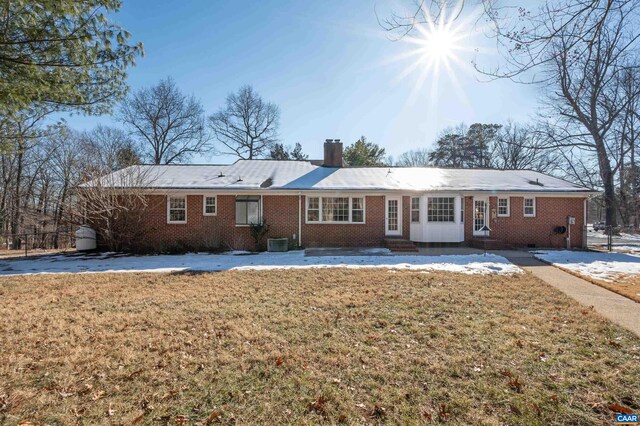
column 328, row 65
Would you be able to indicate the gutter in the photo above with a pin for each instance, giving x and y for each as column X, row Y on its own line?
column 299, row 219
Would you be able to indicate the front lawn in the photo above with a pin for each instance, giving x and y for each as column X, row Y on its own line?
column 306, row 347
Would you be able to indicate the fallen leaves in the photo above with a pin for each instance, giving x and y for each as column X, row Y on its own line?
column 620, row 409
column 317, row 406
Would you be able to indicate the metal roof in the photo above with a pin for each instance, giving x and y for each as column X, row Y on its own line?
column 268, row 175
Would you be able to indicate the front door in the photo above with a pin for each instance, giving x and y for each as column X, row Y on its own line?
column 393, row 216
column 480, row 209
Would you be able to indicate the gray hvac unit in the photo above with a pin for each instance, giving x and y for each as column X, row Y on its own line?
column 277, row 244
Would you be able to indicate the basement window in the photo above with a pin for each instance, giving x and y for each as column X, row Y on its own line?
column 248, row 210
column 177, row 209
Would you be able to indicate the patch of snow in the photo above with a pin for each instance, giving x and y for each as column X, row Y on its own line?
column 630, row 236
column 468, row 264
column 598, row 265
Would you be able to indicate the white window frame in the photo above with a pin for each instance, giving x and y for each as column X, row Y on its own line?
column 320, row 204
column 524, row 207
column 508, row 206
column 204, row 204
column 453, row 217
column 260, row 211
column 414, row 210
column 176, row 222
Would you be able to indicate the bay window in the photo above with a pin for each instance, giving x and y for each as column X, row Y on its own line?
column 440, row 209
column 415, row 209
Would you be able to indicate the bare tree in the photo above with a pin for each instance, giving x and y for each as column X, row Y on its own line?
column 247, row 126
column 413, row 158
column 114, row 205
column 168, row 124
column 586, row 95
column 577, row 49
column 107, row 149
column 523, row 147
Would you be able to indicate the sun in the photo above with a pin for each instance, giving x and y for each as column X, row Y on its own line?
column 435, row 50
column 439, row 44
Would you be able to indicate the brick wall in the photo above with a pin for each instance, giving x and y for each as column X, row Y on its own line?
column 368, row 234
column 281, row 214
column 521, row 231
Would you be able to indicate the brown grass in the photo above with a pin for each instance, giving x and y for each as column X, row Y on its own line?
column 307, row 347
column 627, row 285
column 624, row 284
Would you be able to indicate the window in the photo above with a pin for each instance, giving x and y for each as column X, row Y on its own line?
column 415, row 209
column 503, row 206
column 335, row 210
column 462, row 210
column 530, row 207
column 248, row 210
column 440, row 209
column 209, row 205
column 177, row 210
column 313, row 209
column 357, row 210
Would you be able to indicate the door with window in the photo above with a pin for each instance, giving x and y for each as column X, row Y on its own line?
column 393, row 216
column 480, row 215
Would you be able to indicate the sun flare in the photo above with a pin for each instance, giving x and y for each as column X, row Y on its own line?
column 436, row 50
column 439, row 45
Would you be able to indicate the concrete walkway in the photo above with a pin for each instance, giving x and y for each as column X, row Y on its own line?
column 619, row 309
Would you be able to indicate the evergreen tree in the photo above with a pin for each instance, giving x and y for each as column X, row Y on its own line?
column 363, row 153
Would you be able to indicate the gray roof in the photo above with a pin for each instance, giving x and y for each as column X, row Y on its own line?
column 303, row 175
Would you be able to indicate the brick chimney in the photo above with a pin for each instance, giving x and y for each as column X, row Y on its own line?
column 332, row 153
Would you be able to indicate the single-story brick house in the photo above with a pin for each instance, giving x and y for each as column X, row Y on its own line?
column 325, row 204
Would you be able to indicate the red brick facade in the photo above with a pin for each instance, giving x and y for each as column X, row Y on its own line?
column 520, row 231
column 280, row 212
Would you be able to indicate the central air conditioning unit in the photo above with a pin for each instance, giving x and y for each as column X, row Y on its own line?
column 277, row 244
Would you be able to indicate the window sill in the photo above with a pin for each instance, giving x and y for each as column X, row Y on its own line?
column 209, row 214
column 177, row 223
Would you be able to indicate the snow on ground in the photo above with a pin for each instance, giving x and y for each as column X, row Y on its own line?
column 110, row 262
column 598, row 265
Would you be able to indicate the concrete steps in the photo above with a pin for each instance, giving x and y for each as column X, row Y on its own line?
column 400, row 245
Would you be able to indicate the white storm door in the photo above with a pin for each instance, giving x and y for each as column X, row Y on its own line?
column 393, row 216
column 480, row 210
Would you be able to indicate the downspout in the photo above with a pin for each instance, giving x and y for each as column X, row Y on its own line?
column 584, row 223
column 299, row 219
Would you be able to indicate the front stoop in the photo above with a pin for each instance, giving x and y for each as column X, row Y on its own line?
column 400, row 245
column 489, row 244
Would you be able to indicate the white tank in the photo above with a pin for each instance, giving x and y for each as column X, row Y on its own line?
column 85, row 239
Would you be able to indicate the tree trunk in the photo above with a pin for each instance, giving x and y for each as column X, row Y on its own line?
column 606, row 174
